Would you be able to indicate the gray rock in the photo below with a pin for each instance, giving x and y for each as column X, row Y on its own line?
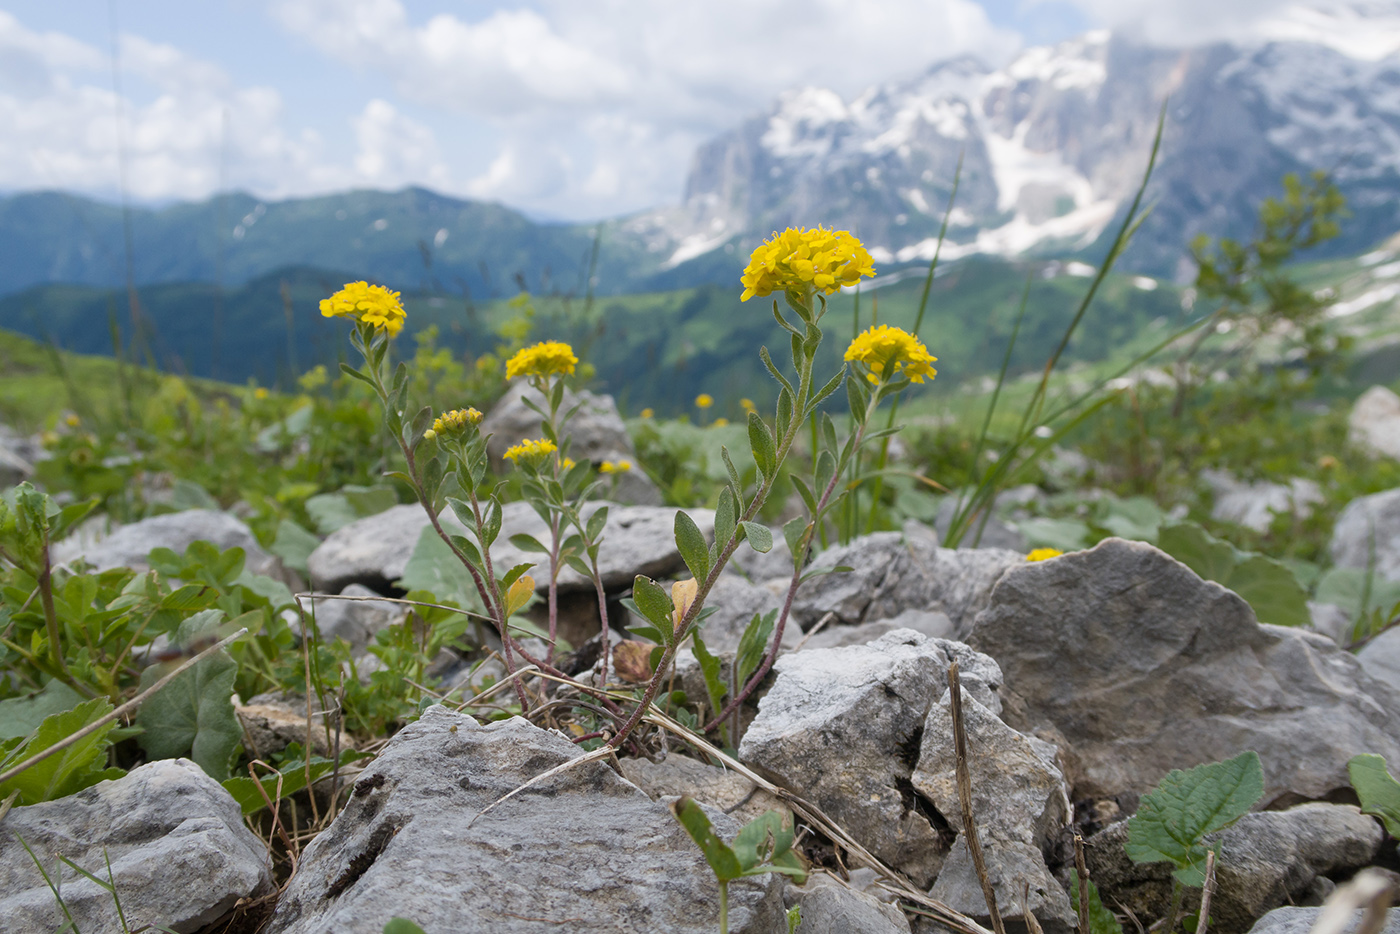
column 1374, row 422
column 1290, row 920
column 1267, row 859
column 1332, row 621
column 632, row 486
column 273, row 721
column 1018, row 792
column 1381, row 657
column 180, row 854
column 128, row 546
column 375, row 550
column 596, row 432
column 1016, row 870
column 1254, row 505
column 830, row 906
column 772, row 564
column 930, row 624
column 1369, row 526
column 736, row 601
column 841, row 727
column 355, row 621
column 1143, row 667
column 722, row 789
column 16, row 458
column 587, row 849
column 890, row 576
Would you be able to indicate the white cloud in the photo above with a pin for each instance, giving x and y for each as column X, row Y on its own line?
column 602, row 104
column 395, row 151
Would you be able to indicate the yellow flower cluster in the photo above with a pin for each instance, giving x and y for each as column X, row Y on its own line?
column 544, row 359
column 704, row 400
column 370, row 304
column 1042, row 554
column 800, row 261
column 614, row 466
column 885, row 351
column 530, row 450
column 454, row 422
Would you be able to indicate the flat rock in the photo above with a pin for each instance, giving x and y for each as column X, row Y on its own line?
column 1267, row 859
column 596, row 433
column 830, row 906
column 931, row 624
column 758, row 567
column 1290, row 920
column 128, row 546
column 375, row 550
column 842, row 727
column 1254, row 505
column 1367, row 527
column 890, row 575
column 180, row 854
column 1143, row 667
column 584, row 851
column 1374, row 422
column 722, row 789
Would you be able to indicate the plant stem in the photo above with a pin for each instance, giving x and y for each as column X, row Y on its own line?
column 974, row 845
column 723, row 907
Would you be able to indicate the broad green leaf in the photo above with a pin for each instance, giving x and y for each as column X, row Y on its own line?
column 370, row 500
column 1378, row 790
column 292, row 775
column 401, row 926
column 193, row 715
column 529, row 544
column 717, row 853
column 69, row 770
column 274, row 591
column 293, row 545
column 1041, row 532
column 330, row 511
column 1137, row 518
column 20, row 716
column 1272, row 590
column 1101, row 920
column 434, row 568
column 1346, row 587
column 692, row 545
column 1200, row 551
column 655, row 604
column 186, row 494
column 793, row 531
column 760, row 537
column 1173, row 819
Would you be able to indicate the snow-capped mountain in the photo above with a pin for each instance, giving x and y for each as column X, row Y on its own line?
column 1054, row 144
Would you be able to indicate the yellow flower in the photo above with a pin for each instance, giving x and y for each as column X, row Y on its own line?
column 747, row 405
column 544, row 359
column 72, row 420
column 614, row 466
column 531, row 451
column 369, row 304
column 799, row 261
column 260, row 393
column 648, row 413
column 720, row 422
column 1041, row 554
column 566, row 464
column 704, row 400
column 454, row 422
column 1328, row 462
column 885, row 351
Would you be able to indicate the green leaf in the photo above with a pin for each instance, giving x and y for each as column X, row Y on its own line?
column 513, row 575
column 1044, row 532
column 721, row 858
column 1173, row 819
column 709, row 668
column 528, row 543
column 293, row 545
column 193, row 715
column 793, row 530
column 330, row 511
column 1137, row 518
column 655, row 604
column 1346, row 587
column 401, row 926
column 69, row 770
column 1200, row 551
column 434, row 568
column 20, row 716
column 765, row 845
column 1101, row 920
column 753, row 645
column 760, row 537
column 492, row 526
column 692, row 545
column 726, row 514
column 765, row 454
column 1267, row 585
column 596, row 523
column 274, row 591
column 1378, row 790
column 292, row 776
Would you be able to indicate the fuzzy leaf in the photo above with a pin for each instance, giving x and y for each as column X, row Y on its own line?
column 692, row 545
column 1378, row 790
column 655, row 604
column 760, row 537
column 721, row 858
column 193, row 715
column 1173, row 819
column 69, row 770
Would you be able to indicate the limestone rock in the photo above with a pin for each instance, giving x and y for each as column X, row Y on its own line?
column 1332, row 621
column 1374, row 422
column 890, row 575
column 1290, row 920
column 375, row 550
column 722, row 789
column 933, row 625
column 17, row 457
column 1011, row 867
column 775, row 563
column 1267, row 859
column 128, row 546
column 830, row 906
column 736, row 601
column 586, row 849
column 842, row 728
column 1381, row 657
column 1369, row 525
column 181, row 856
column 1143, row 667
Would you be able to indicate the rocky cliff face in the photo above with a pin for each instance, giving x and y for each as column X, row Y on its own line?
column 1052, row 148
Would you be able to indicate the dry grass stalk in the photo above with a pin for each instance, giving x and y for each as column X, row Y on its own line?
column 1370, row 891
column 974, row 846
column 1082, row 869
column 1203, row 919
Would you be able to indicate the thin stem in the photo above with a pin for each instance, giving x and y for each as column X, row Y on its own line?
column 974, row 845
column 50, row 614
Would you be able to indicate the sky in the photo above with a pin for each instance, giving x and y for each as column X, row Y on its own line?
column 565, row 109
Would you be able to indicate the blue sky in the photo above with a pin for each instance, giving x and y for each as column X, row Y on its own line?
column 570, row 109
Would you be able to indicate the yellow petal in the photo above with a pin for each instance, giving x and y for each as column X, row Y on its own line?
column 519, row 594
column 682, row 596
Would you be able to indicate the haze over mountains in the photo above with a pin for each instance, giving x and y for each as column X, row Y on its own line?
column 1052, row 146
